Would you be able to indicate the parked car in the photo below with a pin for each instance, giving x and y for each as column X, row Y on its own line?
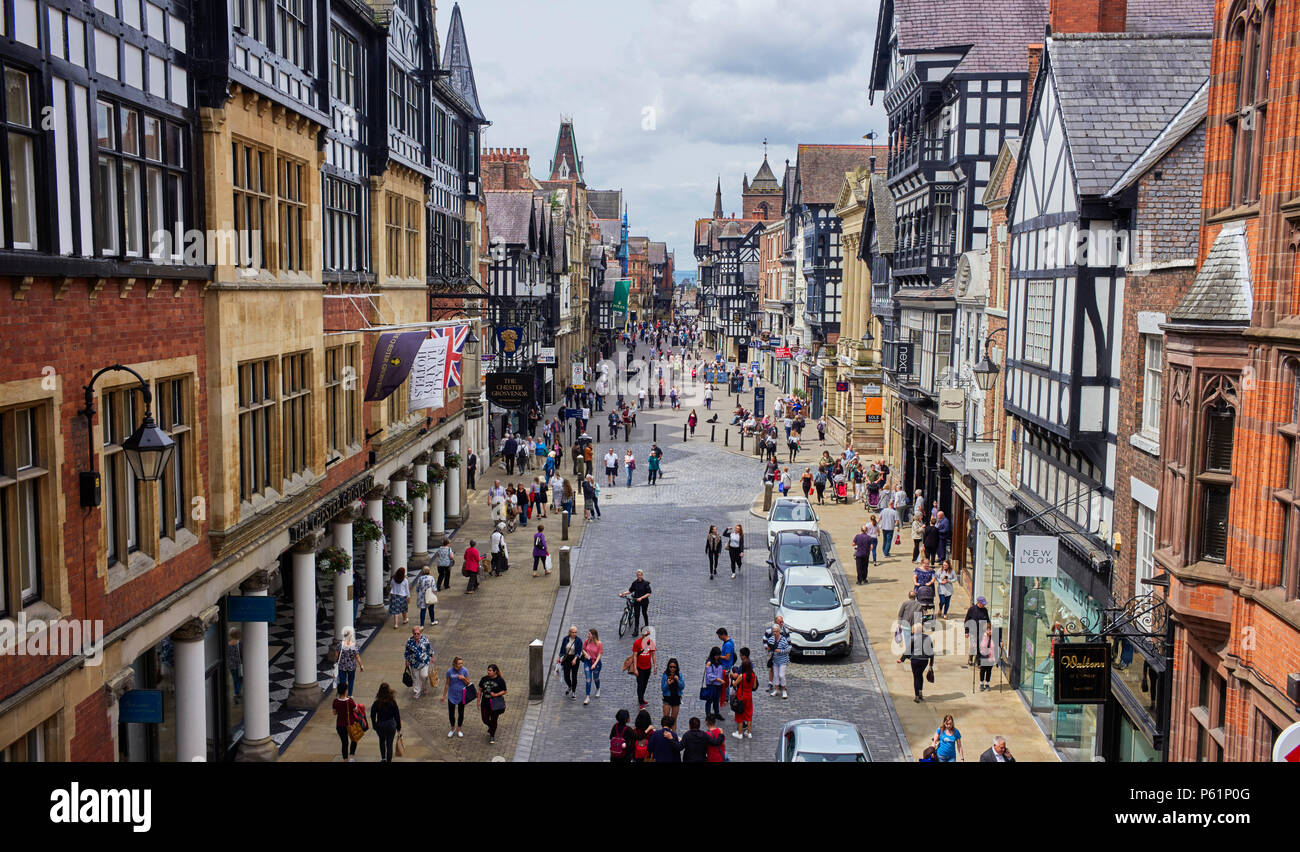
column 815, row 610
column 799, row 548
column 821, row 741
column 790, row 513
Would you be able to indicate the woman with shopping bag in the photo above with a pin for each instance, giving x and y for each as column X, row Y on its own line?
column 387, row 721
column 541, row 554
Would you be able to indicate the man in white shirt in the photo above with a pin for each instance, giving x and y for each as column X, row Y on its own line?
column 497, row 500
column 900, row 502
column 888, row 522
column 611, row 466
column 500, row 554
column 708, row 398
column 557, row 490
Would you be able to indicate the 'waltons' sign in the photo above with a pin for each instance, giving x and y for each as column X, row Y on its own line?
column 510, row 390
column 1082, row 672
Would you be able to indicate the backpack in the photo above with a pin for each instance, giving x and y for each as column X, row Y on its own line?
column 617, row 743
column 642, row 748
column 820, row 478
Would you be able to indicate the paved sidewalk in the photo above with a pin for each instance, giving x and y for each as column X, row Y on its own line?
column 979, row 716
column 494, row 625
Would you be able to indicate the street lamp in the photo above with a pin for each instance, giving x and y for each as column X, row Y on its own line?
column 147, row 450
column 471, row 342
column 985, row 371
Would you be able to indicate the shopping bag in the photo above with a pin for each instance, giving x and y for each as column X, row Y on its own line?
column 399, row 750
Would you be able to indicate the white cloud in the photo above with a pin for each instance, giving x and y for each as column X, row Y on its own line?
column 720, row 75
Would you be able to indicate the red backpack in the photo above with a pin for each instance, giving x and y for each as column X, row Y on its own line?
column 642, row 748
column 618, row 743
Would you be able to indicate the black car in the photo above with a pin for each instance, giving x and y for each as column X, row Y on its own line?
column 795, row 547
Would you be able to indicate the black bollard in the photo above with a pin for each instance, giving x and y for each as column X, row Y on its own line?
column 655, row 430
column 564, row 526
column 713, row 433
column 742, row 440
column 597, row 433
column 726, row 433
column 683, row 433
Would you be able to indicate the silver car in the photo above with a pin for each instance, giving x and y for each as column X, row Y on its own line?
column 821, row 741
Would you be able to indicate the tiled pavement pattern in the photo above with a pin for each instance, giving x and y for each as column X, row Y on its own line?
column 661, row 529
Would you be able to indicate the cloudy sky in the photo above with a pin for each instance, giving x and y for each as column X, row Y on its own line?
column 665, row 95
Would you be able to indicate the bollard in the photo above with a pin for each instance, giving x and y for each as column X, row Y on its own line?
column 627, row 433
column 564, row 526
column 683, row 433
column 726, row 433
column 655, row 430
column 536, row 670
column 767, row 497
column 713, row 433
column 597, row 433
column 742, row 440
column 565, row 575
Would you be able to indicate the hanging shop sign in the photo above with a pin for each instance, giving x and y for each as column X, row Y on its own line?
column 546, row 355
column 250, row 608
column 510, row 340
column 1082, row 672
column 874, row 408
column 781, row 353
column 510, row 390
column 903, row 359
column 145, row 706
column 952, row 405
column 1037, row 556
column 842, row 387
column 979, row 455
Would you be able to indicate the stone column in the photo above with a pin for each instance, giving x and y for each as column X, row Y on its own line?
column 341, row 533
column 256, row 746
column 398, row 547
column 420, row 515
column 438, row 495
column 374, row 613
column 191, row 694
column 454, row 480
column 305, row 693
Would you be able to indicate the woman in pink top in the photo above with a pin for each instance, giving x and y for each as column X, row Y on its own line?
column 592, row 650
column 472, row 559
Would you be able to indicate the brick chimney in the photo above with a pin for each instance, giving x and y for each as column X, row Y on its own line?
column 1035, row 60
column 1087, row 16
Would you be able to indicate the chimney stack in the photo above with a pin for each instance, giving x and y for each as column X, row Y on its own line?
column 1087, row 16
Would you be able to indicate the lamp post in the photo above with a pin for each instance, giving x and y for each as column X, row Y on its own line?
column 985, row 371
column 147, row 450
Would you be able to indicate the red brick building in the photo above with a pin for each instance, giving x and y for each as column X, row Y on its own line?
column 1228, row 531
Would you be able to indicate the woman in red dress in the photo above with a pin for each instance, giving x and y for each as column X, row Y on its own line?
column 743, row 682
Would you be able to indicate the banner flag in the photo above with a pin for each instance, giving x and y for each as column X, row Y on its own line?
column 429, row 374
column 391, row 362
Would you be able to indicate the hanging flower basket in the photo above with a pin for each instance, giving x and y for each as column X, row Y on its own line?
column 453, row 461
column 364, row 530
column 396, row 509
column 437, row 474
column 416, row 490
column 333, row 560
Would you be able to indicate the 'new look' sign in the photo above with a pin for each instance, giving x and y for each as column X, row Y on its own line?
column 1036, row 556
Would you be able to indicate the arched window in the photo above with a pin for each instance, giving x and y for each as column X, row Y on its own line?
column 1250, row 33
column 1219, row 415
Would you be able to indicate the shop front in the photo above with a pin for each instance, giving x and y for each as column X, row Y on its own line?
column 926, row 440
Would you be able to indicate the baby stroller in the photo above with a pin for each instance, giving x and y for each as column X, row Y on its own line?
column 925, row 597
column 841, row 494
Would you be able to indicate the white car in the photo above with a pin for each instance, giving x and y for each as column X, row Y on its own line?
column 815, row 611
column 790, row 513
column 821, row 741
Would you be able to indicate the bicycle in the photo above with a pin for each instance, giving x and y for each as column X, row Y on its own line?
column 629, row 614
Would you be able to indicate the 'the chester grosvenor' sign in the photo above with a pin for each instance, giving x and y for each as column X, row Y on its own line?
column 510, row 390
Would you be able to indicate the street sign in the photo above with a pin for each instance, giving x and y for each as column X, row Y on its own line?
column 546, row 355
column 578, row 376
column 250, row 608
column 144, row 705
column 1036, row 556
column 842, row 387
column 781, row 352
column 572, row 413
column 1082, row 672
column 1287, row 747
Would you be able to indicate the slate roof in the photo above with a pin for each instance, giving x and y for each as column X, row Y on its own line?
column 566, row 151
column 764, row 180
column 605, row 203
column 456, row 59
column 943, row 291
column 1222, row 292
column 997, row 31
column 1170, row 16
column 1187, row 119
column 821, row 168
column 596, row 255
column 508, row 211
column 658, row 253
column 610, row 230
column 1117, row 92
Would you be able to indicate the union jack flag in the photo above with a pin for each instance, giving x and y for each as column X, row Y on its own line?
column 457, row 335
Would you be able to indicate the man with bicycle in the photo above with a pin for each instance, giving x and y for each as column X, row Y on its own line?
column 639, row 592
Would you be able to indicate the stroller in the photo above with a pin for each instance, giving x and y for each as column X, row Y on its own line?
column 841, row 494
